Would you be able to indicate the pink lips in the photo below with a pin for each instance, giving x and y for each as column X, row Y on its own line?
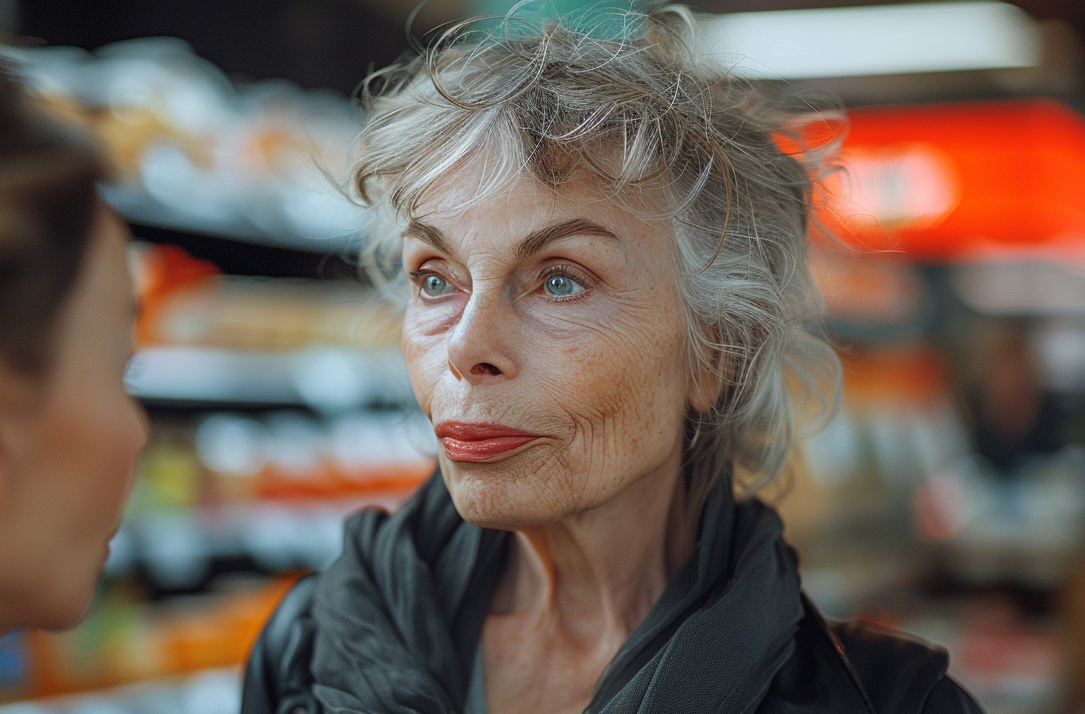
column 479, row 442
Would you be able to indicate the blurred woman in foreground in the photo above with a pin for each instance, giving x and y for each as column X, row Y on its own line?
column 599, row 246
column 69, row 434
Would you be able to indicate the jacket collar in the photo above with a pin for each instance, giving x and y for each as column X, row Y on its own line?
column 399, row 616
column 723, row 627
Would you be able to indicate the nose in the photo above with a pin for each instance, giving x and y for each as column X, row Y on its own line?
column 481, row 345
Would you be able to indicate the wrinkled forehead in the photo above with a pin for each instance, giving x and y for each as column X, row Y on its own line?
column 478, row 181
column 495, row 176
column 518, row 221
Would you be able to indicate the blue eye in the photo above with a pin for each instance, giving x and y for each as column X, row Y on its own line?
column 560, row 285
column 434, row 284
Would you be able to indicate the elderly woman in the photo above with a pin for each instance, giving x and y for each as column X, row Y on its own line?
column 600, row 251
column 69, row 434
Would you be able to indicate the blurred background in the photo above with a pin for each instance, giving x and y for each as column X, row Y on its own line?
column 947, row 498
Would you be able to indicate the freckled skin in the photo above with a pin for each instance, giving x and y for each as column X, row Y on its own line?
column 600, row 379
column 68, row 445
column 596, row 502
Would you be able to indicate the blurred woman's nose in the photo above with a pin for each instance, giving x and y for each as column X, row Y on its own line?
column 481, row 345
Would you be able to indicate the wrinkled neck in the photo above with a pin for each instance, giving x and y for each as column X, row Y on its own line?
column 597, row 574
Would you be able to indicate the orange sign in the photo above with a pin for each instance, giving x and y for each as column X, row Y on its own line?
column 962, row 181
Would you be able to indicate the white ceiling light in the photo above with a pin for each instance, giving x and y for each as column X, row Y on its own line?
column 866, row 41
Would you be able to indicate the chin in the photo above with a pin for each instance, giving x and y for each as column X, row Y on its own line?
column 489, row 497
column 70, row 600
column 64, row 615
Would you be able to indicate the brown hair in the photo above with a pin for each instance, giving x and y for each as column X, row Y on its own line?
column 48, row 198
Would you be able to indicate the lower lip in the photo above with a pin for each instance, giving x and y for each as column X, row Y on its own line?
column 482, row 449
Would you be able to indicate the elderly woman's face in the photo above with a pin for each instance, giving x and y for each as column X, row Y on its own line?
column 545, row 341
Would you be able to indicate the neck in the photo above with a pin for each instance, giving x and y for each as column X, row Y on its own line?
column 597, row 574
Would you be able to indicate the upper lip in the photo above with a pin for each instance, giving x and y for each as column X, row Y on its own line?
column 466, row 431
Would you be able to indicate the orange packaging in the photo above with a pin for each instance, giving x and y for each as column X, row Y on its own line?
column 136, row 643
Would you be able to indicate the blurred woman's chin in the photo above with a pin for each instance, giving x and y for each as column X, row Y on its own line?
column 68, row 609
column 74, row 594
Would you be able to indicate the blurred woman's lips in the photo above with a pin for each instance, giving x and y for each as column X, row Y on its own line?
column 479, row 442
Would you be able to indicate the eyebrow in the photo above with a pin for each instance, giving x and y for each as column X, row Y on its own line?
column 427, row 234
column 533, row 243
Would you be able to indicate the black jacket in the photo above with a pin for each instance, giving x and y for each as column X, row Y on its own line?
column 387, row 628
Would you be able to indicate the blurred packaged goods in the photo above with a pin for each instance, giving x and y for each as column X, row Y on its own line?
column 260, row 161
column 948, row 496
column 211, row 338
column 897, row 521
column 128, row 639
column 258, row 314
column 264, row 492
column 848, row 511
column 186, row 301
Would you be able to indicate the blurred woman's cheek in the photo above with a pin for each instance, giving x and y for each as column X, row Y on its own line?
column 133, row 434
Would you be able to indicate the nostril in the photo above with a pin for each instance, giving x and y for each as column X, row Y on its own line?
column 485, row 368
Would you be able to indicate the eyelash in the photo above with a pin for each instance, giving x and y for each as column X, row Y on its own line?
column 417, row 276
column 573, row 272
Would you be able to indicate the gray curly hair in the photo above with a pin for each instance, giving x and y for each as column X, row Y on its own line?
column 570, row 95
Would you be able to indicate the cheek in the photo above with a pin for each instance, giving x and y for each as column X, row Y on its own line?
column 105, row 437
column 97, row 429
column 621, row 384
column 130, row 431
column 81, row 466
column 628, row 366
column 425, row 356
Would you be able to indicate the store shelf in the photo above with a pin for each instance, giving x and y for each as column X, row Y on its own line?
column 257, row 162
column 235, row 222
column 245, row 258
column 182, row 550
column 326, row 379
